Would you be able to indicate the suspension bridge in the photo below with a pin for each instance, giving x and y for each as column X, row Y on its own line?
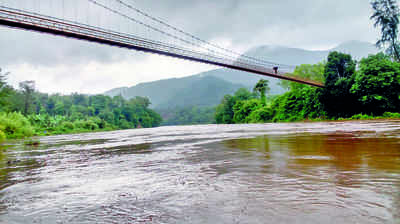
column 119, row 23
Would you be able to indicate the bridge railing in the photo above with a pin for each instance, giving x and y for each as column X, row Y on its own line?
column 42, row 23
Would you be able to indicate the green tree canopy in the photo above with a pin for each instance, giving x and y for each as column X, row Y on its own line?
column 224, row 111
column 386, row 16
column 244, row 94
column 339, row 66
column 306, row 71
column 27, row 89
column 262, row 87
column 339, row 77
column 377, row 84
column 5, row 89
column 242, row 109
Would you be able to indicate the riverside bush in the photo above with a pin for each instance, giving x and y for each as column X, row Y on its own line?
column 361, row 117
column 261, row 115
column 15, row 125
column 391, row 115
column 67, row 126
column 2, row 136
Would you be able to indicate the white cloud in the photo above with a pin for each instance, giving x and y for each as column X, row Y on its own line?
column 95, row 77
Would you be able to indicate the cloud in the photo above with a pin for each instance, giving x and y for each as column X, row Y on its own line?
column 66, row 65
column 97, row 77
column 39, row 49
column 250, row 21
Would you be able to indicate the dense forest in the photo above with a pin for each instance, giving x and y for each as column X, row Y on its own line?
column 372, row 90
column 26, row 112
column 187, row 115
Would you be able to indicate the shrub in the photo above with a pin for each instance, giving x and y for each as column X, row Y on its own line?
column 361, row 117
column 90, row 125
column 15, row 125
column 261, row 115
column 391, row 115
column 65, row 127
column 124, row 124
column 68, row 125
column 2, row 136
column 242, row 109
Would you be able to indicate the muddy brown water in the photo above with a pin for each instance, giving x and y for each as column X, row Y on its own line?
column 339, row 172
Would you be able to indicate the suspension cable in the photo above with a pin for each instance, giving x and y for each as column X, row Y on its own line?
column 197, row 38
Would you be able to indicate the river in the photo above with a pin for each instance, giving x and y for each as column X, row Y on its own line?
column 335, row 172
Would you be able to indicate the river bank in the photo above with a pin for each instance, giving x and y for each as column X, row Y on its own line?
column 21, row 128
column 15, row 125
column 388, row 116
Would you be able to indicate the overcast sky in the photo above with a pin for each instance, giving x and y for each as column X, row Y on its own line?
column 65, row 65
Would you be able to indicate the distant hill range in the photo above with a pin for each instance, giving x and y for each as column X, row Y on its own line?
column 208, row 88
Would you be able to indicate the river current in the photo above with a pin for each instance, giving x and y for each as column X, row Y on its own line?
column 335, row 172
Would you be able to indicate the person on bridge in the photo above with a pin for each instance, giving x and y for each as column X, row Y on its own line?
column 276, row 69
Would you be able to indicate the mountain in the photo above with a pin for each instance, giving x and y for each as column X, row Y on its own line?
column 197, row 90
column 243, row 78
column 208, row 88
column 118, row 92
column 295, row 56
column 357, row 49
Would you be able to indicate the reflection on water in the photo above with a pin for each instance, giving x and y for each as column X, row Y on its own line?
column 342, row 151
column 274, row 173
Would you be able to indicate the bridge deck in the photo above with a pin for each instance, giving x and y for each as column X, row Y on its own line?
column 50, row 25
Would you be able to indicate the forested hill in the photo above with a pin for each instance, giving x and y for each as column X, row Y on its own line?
column 198, row 90
column 163, row 93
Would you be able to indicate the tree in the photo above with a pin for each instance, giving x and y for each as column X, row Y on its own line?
column 27, row 89
column 339, row 78
column 139, row 101
column 244, row 94
column 339, row 66
column 99, row 103
column 79, row 99
column 243, row 109
column 50, row 105
column 59, row 108
column 306, row 71
column 377, row 84
column 260, row 115
column 3, row 78
column 118, row 101
column 5, row 89
column 224, row 111
column 262, row 87
column 386, row 16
